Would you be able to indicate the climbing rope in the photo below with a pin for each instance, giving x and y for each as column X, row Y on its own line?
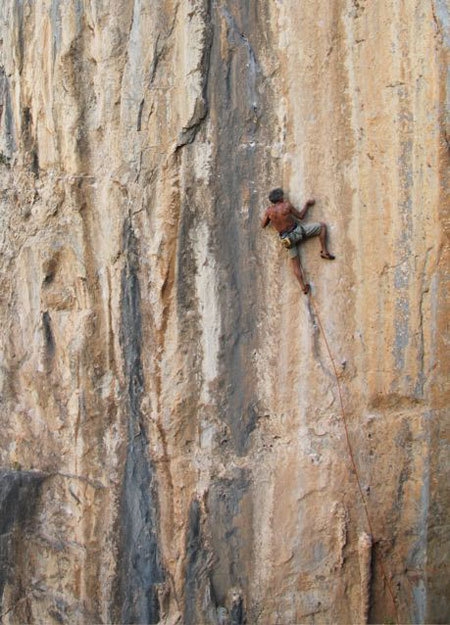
column 351, row 454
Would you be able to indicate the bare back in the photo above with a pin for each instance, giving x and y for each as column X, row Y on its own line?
column 281, row 215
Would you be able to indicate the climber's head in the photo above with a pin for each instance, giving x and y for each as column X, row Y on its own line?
column 276, row 195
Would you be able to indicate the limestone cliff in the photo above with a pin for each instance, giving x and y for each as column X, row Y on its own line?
column 173, row 447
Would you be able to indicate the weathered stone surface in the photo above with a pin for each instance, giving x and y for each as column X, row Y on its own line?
column 168, row 406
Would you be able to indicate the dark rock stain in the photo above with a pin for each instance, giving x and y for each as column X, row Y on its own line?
column 231, row 539
column 19, row 496
column 185, row 261
column 140, row 569
column 139, row 118
column 218, row 553
column 35, row 162
column 49, row 341
column 196, row 567
column 29, row 141
column 236, row 97
column 6, row 116
column 237, row 613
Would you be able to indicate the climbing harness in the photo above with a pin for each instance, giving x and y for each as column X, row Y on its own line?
column 293, row 236
column 351, row 454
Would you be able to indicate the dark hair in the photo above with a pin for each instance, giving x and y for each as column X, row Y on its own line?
column 276, row 195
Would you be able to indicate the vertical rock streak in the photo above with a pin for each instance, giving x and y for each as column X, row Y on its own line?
column 235, row 113
column 139, row 568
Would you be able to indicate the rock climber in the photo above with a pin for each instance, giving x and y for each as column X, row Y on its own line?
column 285, row 219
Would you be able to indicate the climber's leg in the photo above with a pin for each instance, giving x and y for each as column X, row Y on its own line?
column 298, row 272
column 324, row 252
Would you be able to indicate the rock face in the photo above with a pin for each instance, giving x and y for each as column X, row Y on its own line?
column 173, row 446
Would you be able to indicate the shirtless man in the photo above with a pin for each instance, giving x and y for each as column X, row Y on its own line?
column 284, row 218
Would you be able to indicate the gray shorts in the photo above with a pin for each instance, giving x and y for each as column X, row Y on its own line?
column 309, row 230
